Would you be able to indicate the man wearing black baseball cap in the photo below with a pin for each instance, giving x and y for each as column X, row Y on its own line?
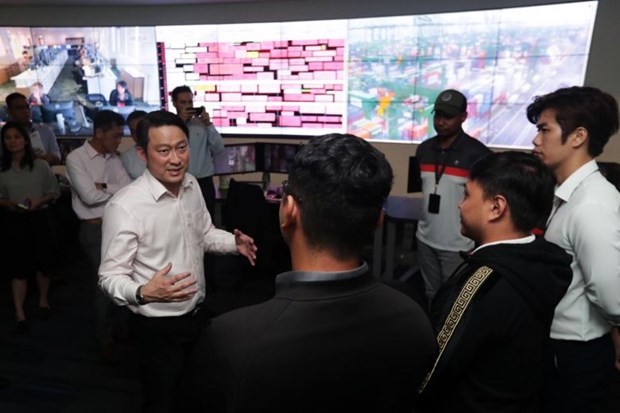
column 444, row 161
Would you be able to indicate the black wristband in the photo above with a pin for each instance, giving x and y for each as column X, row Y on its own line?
column 139, row 297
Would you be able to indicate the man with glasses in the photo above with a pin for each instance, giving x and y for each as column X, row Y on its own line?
column 333, row 338
column 42, row 137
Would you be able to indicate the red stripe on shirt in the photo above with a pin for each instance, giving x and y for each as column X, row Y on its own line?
column 450, row 170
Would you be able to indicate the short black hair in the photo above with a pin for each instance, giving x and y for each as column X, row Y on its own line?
column 11, row 98
column 178, row 90
column 108, row 119
column 122, row 83
column 157, row 119
column 7, row 157
column 525, row 182
column 341, row 182
column 580, row 106
column 136, row 114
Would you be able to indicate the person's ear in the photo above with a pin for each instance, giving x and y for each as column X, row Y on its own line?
column 499, row 206
column 290, row 213
column 579, row 136
column 380, row 219
column 141, row 153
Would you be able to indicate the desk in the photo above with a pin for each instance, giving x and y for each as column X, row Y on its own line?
column 397, row 209
column 46, row 75
column 102, row 83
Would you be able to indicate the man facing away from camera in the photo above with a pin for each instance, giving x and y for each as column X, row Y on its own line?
column 574, row 124
column 492, row 317
column 333, row 339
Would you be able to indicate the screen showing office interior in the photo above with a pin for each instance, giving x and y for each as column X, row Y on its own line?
column 376, row 78
column 235, row 159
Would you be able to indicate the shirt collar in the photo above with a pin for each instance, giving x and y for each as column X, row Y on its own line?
column 318, row 276
column 524, row 240
column 566, row 189
column 158, row 190
column 92, row 152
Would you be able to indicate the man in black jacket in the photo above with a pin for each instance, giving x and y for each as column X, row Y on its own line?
column 333, row 339
column 493, row 315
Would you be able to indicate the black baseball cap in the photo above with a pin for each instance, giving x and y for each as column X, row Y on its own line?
column 451, row 102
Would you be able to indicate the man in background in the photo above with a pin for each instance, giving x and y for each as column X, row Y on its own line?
column 574, row 125
column 96, row 173
column 444, row 161
column 134, row 165
column 204, row 142
column 333, row 339
column 155, row 233
column 42, row 137
column 492, row 317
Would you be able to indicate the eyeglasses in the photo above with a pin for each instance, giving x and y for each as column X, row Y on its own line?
column 287, row 190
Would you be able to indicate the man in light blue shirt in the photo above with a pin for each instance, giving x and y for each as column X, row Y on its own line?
column 130, row 159
column 204, row 142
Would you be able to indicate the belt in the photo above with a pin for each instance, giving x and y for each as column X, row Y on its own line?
column 94, row 221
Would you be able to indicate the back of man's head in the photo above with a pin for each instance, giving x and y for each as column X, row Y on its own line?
column 341, row 183
column 12, row 98
column 157, row 119
column 521, row 178
column 178, row 90
column 107, row 119
column 580, row 106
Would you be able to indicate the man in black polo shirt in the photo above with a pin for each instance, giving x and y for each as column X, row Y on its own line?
column 444, row 160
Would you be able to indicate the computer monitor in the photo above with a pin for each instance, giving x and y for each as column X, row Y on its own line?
column 277, row 157
column 50, row 110
column 236, row 159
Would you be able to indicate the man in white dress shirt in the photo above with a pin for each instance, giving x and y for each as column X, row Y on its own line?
column 155, row 233
column 574, row 124
column 96, row 173
column 130, row 159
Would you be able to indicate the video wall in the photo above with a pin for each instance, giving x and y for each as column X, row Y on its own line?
column 376, row 78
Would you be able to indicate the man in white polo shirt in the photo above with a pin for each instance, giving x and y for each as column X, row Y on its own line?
column 574, row 124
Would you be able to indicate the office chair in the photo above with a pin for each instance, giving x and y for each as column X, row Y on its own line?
column 247, row 210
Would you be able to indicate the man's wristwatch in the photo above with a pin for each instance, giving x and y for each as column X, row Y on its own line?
column 139, row 297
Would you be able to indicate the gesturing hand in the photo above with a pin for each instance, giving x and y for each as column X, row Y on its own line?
column 246, row 246
column 166, row 288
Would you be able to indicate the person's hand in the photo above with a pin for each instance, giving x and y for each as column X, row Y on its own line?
column 245, row 246
column 167, row 288
column 205, row 118
column 615, row 336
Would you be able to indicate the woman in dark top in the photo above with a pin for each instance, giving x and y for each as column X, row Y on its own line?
column 27, row 187
column 121, row 96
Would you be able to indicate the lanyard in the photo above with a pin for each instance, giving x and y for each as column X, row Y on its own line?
column 440, row 171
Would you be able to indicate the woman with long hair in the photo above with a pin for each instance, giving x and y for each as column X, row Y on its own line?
column 27, row 187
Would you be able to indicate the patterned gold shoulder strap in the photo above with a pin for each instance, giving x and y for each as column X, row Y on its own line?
column 456, row 312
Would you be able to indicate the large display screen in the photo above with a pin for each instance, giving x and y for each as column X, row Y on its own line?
column 376, row 78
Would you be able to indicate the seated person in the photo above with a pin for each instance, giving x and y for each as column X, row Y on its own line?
column 37, row 97
column 334, row 338
column 121, row 96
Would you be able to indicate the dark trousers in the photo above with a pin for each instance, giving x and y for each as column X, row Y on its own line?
column 208, row 193
column 164, row 345
column 108, row 316
column 578, row 375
